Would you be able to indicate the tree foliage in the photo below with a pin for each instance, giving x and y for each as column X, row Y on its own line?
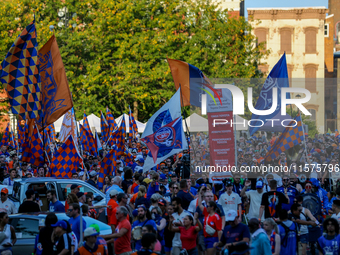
column 115, row 51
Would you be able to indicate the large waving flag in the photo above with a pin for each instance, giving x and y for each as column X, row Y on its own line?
column 5, row 137
column 13, row 142
column 290, row 137
column 277, row 78
column 192, row 81
column 87, row 140
column 133, row 129
column 68, row 127
column 108, row 167
column 66, row 160
column 121, row 134
column 111, row 121
column 33, row 149
column 163, row 134
column 56, row 95
column 20, row 75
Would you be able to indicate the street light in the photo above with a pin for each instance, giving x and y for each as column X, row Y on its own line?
column 64, row 17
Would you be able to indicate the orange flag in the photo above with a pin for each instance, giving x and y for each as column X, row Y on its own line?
column 56, row 95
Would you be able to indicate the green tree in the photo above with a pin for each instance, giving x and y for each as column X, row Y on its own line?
column 115, row 51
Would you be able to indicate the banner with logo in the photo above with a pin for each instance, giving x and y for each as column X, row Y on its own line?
column 221, row 135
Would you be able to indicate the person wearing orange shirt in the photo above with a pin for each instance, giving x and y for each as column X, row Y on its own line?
column 122, row 201
column 112, row 204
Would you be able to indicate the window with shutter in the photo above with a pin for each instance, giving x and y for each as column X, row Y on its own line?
column 310, row 78
column 286, row 40
column 310, row 40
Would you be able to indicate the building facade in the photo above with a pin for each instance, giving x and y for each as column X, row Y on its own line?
column 300, row 33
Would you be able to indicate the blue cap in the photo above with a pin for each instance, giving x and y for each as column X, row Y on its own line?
column 135, row 213
column 61, row 224
column 315, row 182
column 162, row 176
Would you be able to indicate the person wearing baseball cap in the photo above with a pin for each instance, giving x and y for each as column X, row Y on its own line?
column 90, row 246
column 100, row 240
column 6, row 204
column 93, row 179
column 112, row 203
column 230, row 200
column 61, row 240
column 255, row 197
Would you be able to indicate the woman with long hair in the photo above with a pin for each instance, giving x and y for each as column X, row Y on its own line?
column 141, row 199
column 107, row 181
column 270, row 226
column 72, row 198
column 8, row 230
column 189, row 232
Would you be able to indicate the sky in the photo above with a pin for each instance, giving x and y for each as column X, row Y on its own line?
column 285, row 3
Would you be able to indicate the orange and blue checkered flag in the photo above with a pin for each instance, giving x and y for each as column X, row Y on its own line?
column 51, row 132
column 5, row 137
column 13, row 142
column 133, row 129
column 291, row 136
column 21, row 133
column 66, row 160
column 121, row 138
column 108, row 167
column 33, row 149
column 88, row 141
column 111, row 122
column 21, row 77
column 104, row 127
column 86, row 124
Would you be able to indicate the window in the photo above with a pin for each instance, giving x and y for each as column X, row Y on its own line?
column 326, row 30
column 313, row 116
column 66, row 189
column 310, row 77
column 286, row 40
column 310, row 39
column 27, row 228
column 261, row 34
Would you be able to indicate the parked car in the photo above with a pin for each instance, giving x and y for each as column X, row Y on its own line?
column 27, row 227
column 42, row 184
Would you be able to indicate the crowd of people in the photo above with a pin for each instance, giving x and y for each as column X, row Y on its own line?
column 172, row 209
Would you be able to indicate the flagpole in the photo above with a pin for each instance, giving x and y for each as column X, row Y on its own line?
column 235, row 140
column 304, row 138
column 16, row 117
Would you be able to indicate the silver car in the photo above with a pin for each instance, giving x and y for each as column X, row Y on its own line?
column 27, row 228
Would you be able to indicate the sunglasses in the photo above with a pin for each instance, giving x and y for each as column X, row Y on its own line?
column 308, row 187
column 175, row 187
column 285, row 180
column 70, row 210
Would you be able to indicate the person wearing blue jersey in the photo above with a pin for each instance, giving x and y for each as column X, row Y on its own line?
column 329, row 244
column 291, row 191
column 288, row 233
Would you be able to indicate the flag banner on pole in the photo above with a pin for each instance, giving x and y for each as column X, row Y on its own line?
column 56, row 95
column 51, row 131
column 163, row 134
column 86, row 124
column 21, row 133
column 277, row 78
column 290, row 137
column 13, row 142
column 108, row 167
column 104, row 127
column 68, row 127
column 111, row 122
column 87, row 141
column 192, row 81
column 66, row 160
column 133, row 129
column 20, row 75
column 6, row 137
column 33, row 149
column 121, row 134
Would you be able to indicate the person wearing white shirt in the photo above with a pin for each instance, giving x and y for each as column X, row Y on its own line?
column 10, row 180
column 231, row 200
column 178, row 216
column 6, row 204
column 255, row 197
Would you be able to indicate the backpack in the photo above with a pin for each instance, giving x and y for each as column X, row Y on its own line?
column 287, row 230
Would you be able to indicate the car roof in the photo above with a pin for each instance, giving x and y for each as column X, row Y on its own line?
column 46, row 179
